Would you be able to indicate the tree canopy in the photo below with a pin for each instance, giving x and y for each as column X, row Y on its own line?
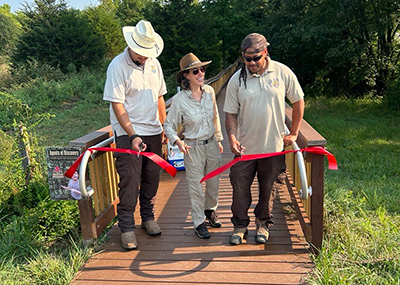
column 335, row 47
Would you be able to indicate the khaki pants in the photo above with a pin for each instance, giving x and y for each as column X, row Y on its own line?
column 205, row 158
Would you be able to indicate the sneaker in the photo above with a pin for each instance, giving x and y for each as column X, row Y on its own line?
column 128, row 240
column 151, row 227
column 202, row 231
column 212, row 218
column 262, row 231
column 238, row 235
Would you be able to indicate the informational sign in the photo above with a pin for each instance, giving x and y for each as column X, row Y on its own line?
column 59, row 159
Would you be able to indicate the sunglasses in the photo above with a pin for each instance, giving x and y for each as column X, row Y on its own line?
column 250, row 59
column 196, row 71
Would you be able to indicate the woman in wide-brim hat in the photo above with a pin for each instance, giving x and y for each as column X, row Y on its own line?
column 195, row 109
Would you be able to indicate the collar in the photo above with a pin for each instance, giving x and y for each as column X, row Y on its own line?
column 129, row 60
column 189, row 92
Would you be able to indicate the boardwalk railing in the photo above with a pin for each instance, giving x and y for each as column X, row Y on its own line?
column 98, row 210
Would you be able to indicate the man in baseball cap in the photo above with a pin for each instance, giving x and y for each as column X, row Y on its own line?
column 255, row 123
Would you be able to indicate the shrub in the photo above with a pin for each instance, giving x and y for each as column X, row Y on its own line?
column 11, row 173
column 51, row 220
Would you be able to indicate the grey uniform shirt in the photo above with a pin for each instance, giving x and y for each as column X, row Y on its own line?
column 200, row 120
column 260, row 107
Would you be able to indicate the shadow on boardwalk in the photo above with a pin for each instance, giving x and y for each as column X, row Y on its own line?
column 178, row 256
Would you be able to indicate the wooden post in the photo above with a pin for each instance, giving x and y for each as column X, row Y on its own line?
column 86, row 218
column 317, row 201
column 24, row 151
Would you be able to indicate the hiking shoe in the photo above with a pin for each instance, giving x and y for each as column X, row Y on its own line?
column 202, row 231
column 128, row 240
column 212, row 218
column 151, row 227
column 262, row 231
column 238, row 235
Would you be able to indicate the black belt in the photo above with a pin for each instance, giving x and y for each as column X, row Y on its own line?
column 203, row 142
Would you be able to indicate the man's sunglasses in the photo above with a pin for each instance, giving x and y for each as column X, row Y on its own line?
column 250, row 59
column 196, row 71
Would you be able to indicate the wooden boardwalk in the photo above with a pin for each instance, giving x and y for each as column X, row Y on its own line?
column 178, row 256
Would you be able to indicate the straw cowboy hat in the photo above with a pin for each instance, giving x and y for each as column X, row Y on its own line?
column 143, row 40
column 187, row 62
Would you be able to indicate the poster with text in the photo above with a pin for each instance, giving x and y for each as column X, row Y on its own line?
column 59, row 159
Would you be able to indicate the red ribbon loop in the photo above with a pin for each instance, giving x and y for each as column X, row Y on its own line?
column 332, row 163
column 150, row 155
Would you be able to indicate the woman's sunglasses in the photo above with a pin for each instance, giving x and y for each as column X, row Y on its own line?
column 196, row 71
column 250, row 59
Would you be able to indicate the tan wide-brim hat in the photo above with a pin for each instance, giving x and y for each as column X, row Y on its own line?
column 187, row 62
column 143, row 40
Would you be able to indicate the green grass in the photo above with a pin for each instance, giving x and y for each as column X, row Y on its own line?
column 362, row 198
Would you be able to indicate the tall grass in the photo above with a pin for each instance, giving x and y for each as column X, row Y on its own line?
column 362, row 198
column 39, row 239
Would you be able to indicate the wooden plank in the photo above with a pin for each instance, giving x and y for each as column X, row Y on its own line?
column 301, row 212
column 262, row 276
column 86, row 217
column 104, row 219
column 96, row 204
column 90, row 139
column 317, row 202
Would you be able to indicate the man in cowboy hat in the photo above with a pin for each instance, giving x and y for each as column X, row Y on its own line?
column 135, row 87
column 255, row 123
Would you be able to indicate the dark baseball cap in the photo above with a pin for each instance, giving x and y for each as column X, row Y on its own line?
column 256, row 41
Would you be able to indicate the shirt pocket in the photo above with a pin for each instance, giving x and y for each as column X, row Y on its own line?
column 192, row 117
column 209, row 108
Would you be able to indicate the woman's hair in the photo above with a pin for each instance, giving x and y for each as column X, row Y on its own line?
column 184, row 81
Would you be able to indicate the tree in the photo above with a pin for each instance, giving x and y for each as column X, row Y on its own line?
column 10, row 31
column 132, row 11
column 339, row 47
column 184, row 27
column 107, row 27
column 59, row 36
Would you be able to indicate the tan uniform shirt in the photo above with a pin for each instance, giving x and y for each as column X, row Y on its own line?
column 138, row 89
column 200, row 120
column 261, row 106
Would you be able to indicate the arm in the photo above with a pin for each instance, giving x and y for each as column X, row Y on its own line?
column 297, row 116
column 124, row 121
column 162, row 113
column 231, row 128
column 217, row 123
column 171, row 125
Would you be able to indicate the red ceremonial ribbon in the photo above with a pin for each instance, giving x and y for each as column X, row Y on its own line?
column 150, row 155
column 332, row 163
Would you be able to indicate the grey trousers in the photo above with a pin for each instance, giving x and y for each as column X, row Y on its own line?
column 204, row 158
column 138, row 177
column 242, row 175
